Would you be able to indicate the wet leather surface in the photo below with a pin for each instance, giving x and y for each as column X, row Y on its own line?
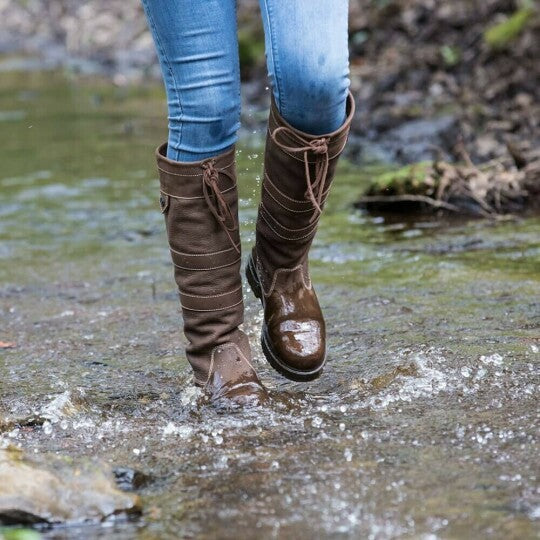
column 233, row 379
column 295, row 323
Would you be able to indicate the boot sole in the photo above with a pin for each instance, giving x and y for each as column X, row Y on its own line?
column 274, row 360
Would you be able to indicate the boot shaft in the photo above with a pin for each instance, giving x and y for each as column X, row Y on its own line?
column 298, row 172
column 200, row 204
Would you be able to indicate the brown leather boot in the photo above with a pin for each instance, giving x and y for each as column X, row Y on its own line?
column 298, row 171
column 200, row 204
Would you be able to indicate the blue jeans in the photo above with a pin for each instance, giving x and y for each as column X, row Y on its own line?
column 196, row 40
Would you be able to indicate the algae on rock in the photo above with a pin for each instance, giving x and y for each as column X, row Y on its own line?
column 53, row 489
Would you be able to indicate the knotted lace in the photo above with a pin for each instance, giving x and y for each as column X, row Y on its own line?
column 319, row 147
column 216, row 202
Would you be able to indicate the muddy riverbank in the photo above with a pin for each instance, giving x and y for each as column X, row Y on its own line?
column 424, row 425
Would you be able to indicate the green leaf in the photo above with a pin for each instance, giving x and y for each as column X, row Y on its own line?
column 19, row 534
column 502, row 34
column 450, row 55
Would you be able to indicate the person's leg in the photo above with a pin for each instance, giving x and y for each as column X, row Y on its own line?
column 309, row 122
column 197, row 47
column 308, row 61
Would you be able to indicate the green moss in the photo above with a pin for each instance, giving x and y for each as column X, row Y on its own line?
column 19, row 534
column 502, row 34
column 408, row 179
column 451, row 55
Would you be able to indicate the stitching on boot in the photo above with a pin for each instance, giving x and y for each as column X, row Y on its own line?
column 198, row 174
column 314, row 224
column 283, row 270
column 210, row 310
column 286, row 237
column 226, row 346
column 285, row 207
column 211, row 295
column 209, row 268
column 201, row 254
column 283, row 194
column 194, row 198
column 259, row 272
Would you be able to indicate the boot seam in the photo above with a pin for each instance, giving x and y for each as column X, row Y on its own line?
column 286, row 237
column 283, row 270
column 198, row 174
column 201, row 254
column 314, row 224
column 193, row 198
column 285, row 207
column 325, row 197
column 210, row 310
column 209, row 268
column 266, row 175
column 225, row 346
column 212, row 295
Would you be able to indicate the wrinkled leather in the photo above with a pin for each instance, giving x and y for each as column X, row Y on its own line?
column 298, row 173
column 231, row 377
column 200, row 205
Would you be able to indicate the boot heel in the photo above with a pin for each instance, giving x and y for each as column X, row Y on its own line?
column 253, row 280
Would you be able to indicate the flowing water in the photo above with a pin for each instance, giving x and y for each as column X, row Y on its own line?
column 424, row 425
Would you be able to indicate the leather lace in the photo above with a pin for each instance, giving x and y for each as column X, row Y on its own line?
column 314, row 187
column 216, row 202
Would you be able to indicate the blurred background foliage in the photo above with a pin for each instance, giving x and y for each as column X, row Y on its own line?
column 453, row 81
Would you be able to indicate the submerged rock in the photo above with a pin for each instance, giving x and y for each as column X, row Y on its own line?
column 130, row 479
column 52, row 489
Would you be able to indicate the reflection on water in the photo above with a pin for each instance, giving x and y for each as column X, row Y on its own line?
column 424, row 424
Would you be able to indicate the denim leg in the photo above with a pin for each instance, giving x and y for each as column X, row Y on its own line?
column 197, row 48
column 308, row 61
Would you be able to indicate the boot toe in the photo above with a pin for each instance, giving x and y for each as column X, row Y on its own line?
column 299, row 344
column 233, row 381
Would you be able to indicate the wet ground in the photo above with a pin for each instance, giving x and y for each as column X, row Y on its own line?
column 424, row 425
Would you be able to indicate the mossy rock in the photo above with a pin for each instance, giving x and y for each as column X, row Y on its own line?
column 410, row 179
column 53, row 489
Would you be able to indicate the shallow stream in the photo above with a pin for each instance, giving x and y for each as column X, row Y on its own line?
column 424, row 425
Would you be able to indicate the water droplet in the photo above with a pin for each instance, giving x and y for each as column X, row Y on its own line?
column 222, row 462
column 218, row 439
column 47, row 427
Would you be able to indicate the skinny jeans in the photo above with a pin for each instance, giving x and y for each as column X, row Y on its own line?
column 306, row 44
